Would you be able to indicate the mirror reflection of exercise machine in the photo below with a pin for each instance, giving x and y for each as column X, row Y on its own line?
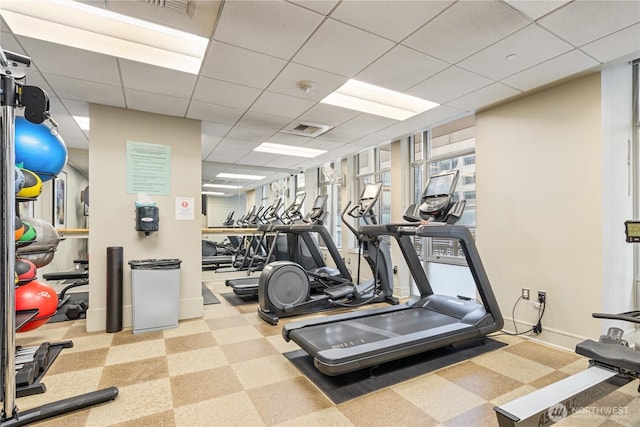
column 36, row 109
column 612, row 364
column 367, row 338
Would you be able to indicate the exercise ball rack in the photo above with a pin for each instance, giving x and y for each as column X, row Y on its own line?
column 35, row 102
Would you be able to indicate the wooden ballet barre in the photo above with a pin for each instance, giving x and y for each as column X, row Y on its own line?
column 78, row 233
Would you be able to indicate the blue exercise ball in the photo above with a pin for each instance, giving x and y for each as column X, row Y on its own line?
column 38, row 149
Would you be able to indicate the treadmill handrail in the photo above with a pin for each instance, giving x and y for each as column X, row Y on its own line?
column 467, row 243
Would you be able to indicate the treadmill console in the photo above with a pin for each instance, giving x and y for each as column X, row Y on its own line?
column 369, row 196
column 437, row 196
column 632, row 231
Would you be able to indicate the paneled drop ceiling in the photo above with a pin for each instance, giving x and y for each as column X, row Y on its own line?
column 464, row 55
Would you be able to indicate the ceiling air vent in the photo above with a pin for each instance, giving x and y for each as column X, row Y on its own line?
column 310, row 130
column 178, row 6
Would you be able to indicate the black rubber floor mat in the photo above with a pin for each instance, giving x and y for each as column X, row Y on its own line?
column 355, row 384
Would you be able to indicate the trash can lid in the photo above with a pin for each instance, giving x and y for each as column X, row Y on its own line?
column 154, row 264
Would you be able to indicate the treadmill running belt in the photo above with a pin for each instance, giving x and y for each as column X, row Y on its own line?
column 368, row 329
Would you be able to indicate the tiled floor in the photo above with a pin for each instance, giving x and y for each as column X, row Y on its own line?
column 228, row 369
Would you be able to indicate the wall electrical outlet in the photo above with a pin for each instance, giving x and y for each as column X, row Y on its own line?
column 542, row 297
column 525, row 293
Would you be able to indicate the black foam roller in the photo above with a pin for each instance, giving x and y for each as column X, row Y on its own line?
column 114, row 288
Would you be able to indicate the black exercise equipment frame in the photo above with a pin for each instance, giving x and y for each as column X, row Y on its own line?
column 35, row 102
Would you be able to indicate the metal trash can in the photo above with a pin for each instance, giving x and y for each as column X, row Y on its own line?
column 155, row 293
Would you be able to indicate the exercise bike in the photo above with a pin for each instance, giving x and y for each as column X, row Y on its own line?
column 612, row 364
column 286, row 289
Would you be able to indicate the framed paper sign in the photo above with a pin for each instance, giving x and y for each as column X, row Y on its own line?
column 60, row 200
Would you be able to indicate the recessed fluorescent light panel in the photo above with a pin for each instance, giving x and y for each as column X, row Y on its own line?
column 83, row 122
column 79, row 25
column 240, row 176
column 288, row 150
column 231, row 187
column 368, row 98
column 212, row 193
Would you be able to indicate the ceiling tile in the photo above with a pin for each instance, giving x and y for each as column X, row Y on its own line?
column 70, row 132
column 208, row 144
column 372, row 140
column 149, row 78
column 531, row 46
column 535, row 9
column 426, row 120
column 401, row 68
column 603, row 18
column 293, row 73
column 260, row 159
column 365, row 124
column 223, row 93
column 482, row 97
column 231, row 150
column 67, row 61
column 9, row 42
column 557, row 68
column 465, row 28
column 156, row 103
column 342, row 135
column 214, row 113
column 341, row 49
column 83, row 90
column 263, row 121
column 622, row 44
column 282, row 161
column 242, row 66
column 326, row 114
column 448, row 84
column 281, row 105
column 322, row 143
column 273, row 28
column 75, row 108
column 250, row 134
column 374, row 16
column 288, row 139
column 214, row 129
column 321, row 6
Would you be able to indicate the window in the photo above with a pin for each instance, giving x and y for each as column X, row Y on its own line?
column 330, row 183
column 448, row 147
column 300, row 188
column 381, row 158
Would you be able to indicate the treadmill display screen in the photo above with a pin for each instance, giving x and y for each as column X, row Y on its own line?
column 440, row 185
column 370, row 191
column 321, row 202
column 632, row 231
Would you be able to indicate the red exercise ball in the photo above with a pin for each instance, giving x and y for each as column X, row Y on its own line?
column 36, row 295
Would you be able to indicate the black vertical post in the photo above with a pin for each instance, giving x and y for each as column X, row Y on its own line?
column 114, row 288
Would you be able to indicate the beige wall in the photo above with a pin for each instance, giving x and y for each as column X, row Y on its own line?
column 539, row 191
column 112, row 210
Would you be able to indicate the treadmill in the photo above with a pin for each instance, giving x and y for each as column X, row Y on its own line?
column 366, row 338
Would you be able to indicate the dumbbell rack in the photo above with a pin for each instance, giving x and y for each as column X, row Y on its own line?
column 13, row 67
column 32, row 363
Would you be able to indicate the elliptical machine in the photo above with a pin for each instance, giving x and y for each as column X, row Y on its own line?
column 285, row 288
